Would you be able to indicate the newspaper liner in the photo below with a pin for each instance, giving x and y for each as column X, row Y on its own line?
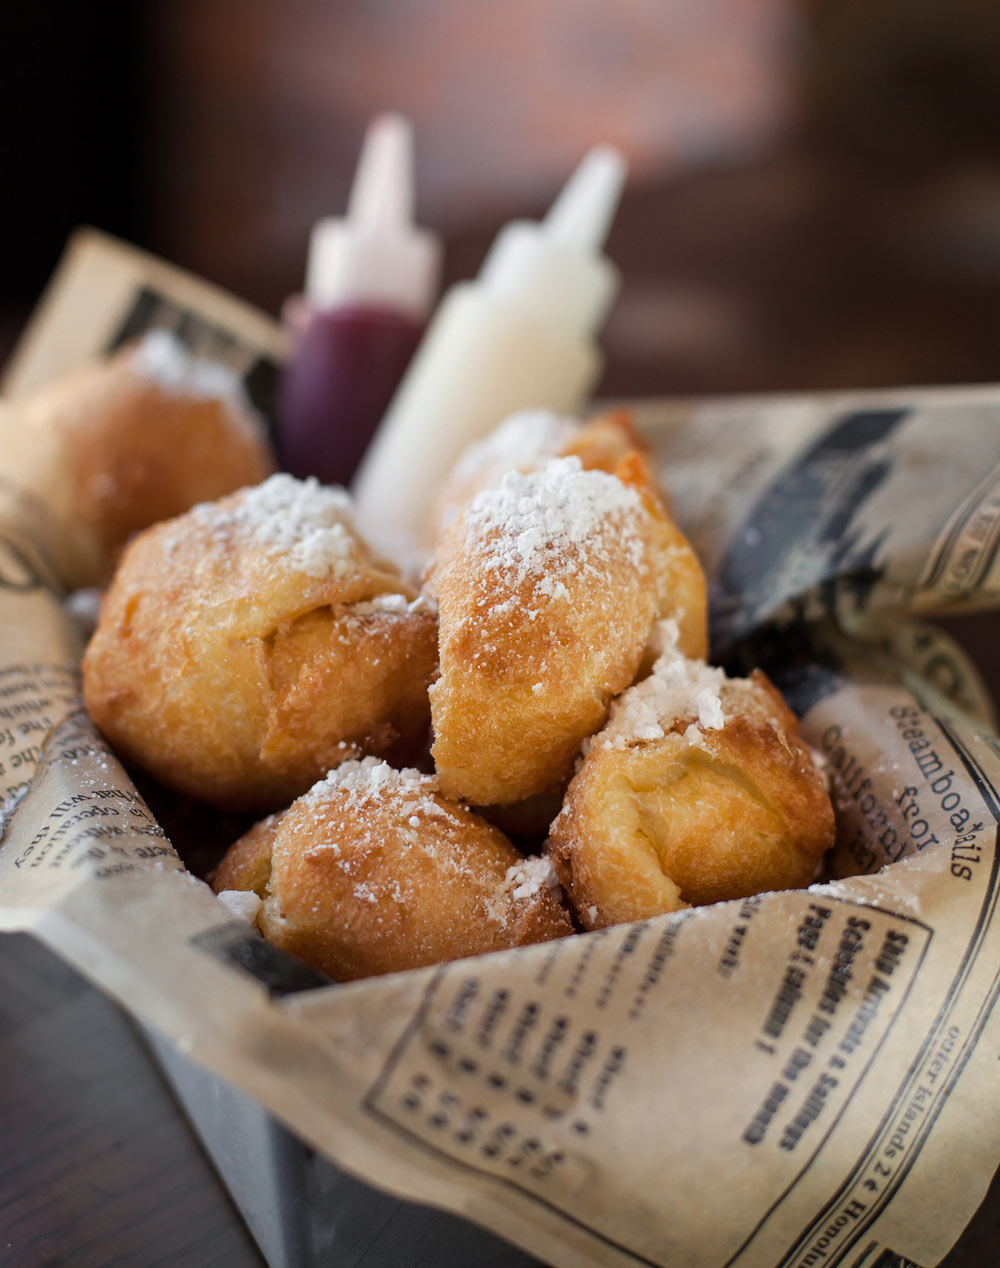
column 824, row 1061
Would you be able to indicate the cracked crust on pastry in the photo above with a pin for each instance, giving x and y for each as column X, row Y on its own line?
column 250, row 645
column 143, row 436
column 548, row 589
column 697, row 814
column 374, row 871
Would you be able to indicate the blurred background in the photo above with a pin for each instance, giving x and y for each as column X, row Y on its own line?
column 814, row 198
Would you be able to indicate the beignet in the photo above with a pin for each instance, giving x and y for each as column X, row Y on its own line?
column 253, row 643
column 123, row 443
column 374, row 871
column 698, row 790
column 548, row 588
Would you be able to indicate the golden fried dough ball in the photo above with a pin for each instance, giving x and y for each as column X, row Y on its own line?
column 698, row 790
column 248, row 646
column 678, row 581
column 548, row 588
column 374, row 871
column 120, row 444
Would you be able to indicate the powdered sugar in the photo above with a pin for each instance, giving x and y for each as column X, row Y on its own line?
column 530, row 524
column 243, row 904
column 384, row 603
column 521, row 441
column 360, row 799
column 531, row 877
column 393, row 605
column 161, row 357
column 370, row 777
column 309, row 524
column 710, row 715
column 677, row 690
column 383, row 831
column 324, row 847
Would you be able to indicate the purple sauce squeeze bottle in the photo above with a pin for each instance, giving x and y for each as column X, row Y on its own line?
column 370, row 283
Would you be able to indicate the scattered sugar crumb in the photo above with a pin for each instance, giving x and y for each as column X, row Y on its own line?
column 241, row 903
column 553, row 588
column 325, row 847
column 530, row 877
column 392, row 605
column 710, row 713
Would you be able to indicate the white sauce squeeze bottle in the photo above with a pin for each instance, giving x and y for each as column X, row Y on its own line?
column 521, row 335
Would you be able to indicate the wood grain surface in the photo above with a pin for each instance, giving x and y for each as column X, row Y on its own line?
column 97, row 1165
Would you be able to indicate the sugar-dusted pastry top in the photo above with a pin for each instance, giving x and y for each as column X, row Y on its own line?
column 697, row 790
column 526, row 441
column 548, row 587
column 143, row 436
column 373, row 870
column 250, row 645
column 522, row 442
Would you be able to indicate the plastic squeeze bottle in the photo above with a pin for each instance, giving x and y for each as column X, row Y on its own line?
column 371, row 278
column 519, row 336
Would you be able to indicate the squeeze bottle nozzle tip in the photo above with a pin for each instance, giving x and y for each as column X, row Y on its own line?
column 556, row 267
column 581, row 215
column 382, row 190
column 376, row 254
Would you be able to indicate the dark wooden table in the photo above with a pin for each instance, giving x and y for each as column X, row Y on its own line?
column 97, row 1165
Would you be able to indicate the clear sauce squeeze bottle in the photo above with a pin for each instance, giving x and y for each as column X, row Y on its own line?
column 521, row 335
column 371, row 279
